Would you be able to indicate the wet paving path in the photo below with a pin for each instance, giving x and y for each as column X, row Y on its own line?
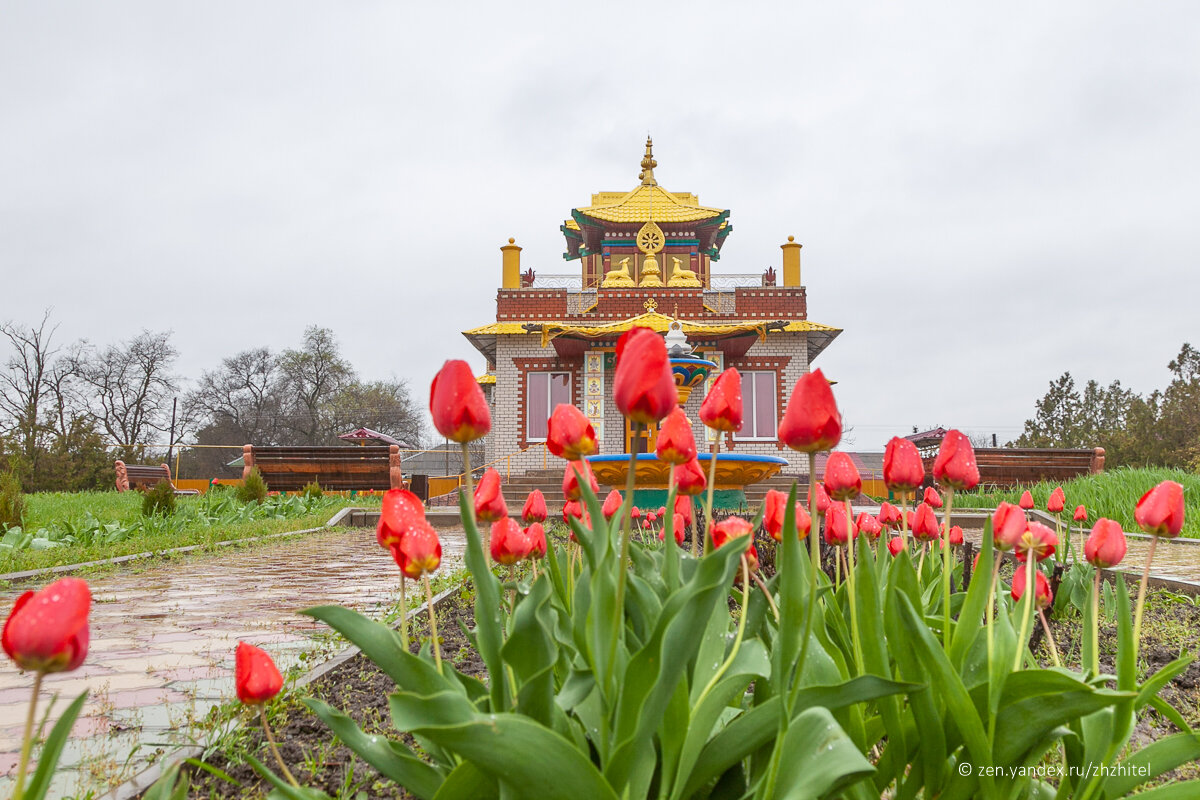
column 163, row 638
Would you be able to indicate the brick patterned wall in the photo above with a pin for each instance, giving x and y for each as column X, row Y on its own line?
column 784, row 302
column 530, row 304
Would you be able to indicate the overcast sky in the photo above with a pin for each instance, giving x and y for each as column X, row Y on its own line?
column 988, row 194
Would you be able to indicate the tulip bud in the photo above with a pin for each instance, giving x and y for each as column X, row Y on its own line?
column 569, row 434
column 1160, row 511
column 925, row 526
column 574, row 508
column 1057, row 501
column 811, row 421
column 401, row 510
column 842, row 481
column 839, row 528
column 652, row 516
column 1008, row 525
column 1105, row 545
column 47, row 630
column 509, row 544
column 643, row 387
column 419, row 552
column 773, row 509
column 683, row 507
column 612, row 504
column 889, row 515
column 1037, row 539
column 722, row 406
column 676, row 443
column 489, row 501
column 635, row 513
column 903, row 470
column 732, row 528
column 677, row 525
column 646, row 523
column 576, row 471
column 823, row 500
column 257, row 679
column 1042, row 597
column 956, row 536
column 955, row 463
column 536, row 535
column 1081, row 514
column 689, row 479
column 1026, row 501
column 535, row 508
column 459, row 409
column 932, row 497
column 894, row 545
column 869, row 525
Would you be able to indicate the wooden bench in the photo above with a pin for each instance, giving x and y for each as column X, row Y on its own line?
column 142, row 477
column 351, row 467
column 1011, row 466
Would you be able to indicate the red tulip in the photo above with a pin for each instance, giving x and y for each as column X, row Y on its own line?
column 910, row 517
column 869, row 525
column 1042, row 597
column 47, row 630
column 574, row 508
column 1026, row 501
column 635, row 513
column 569, row 434
column 400, row 511
column 612, row 504
column 677, row 526
column 537, row 538
column 256, row 677
column 652, row 517
column 956, row 536
column 1105, row 545
column 676, row 443
column 1057, row 501
column 925, row 526
column 683, row 507
column 811, row 421
column 662, row 510
column 489, row 501
column 932, row 497
column 1037, row 539
column 1160, row 511
column 459, row 409
column 839, row 528
column 955, row 463
column 903, row 470
column 646, row 523
column 571, row 476
column 842, row 481
column 1008, row 525
column 1080, row 514
column 722, row 406
column 773, row 509
column 731, row 528
column 419, row 551
column 895, row 545
column 803, row 522
column 889, row 515
column 643, row 386
column 535, row 508
column 690, row 479
column 509, row 544
column 823, row 500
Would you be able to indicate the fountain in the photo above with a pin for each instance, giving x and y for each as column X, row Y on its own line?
column 734, row 471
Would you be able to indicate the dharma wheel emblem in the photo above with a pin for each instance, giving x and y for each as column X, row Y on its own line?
column 650, row 238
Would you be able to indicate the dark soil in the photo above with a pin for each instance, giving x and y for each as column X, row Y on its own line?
column 359, row 689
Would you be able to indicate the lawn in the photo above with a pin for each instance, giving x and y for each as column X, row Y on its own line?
column 1108, row 494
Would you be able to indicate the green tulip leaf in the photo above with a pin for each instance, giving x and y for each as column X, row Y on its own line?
column 468, row 782
column 1152, row 761
column 817, row 758
column 39, row 784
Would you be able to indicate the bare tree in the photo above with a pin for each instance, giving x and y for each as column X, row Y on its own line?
column 244, row 398
column 23, row 382
column 383, row 406
column 313, row 375
column 130, row 385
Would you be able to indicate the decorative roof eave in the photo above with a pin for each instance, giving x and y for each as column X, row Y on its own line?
column 488, row 379
column 646, row 203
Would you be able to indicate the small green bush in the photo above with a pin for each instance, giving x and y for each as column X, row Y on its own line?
column 312, row 489
column 253, row 488
column 12, row 499
column 159, row 501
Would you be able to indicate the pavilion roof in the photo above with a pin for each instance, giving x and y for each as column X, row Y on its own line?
column 648, row 203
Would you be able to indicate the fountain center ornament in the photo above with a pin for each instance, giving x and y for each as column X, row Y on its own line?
column 689, row 372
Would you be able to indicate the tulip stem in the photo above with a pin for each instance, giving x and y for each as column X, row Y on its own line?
column 904, row 517
column 287, row 773
column 433, row 634
column 1096, row 623
column 1141, row 598
column 630, row 482
column 837, row 571
column 1049, row 637
column 921, row 563
column 991, row 615
column 27, row 744
column 947, row 565
column 737, row 641
column 403, row 613
column 712, row 485
column 767, row 594
column 1027, row 613
column 470, row 482
column 850, row 588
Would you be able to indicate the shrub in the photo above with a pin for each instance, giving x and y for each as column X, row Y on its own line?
column 312, row 489
column 159, row 501
column 12, row 500
column 253, row 488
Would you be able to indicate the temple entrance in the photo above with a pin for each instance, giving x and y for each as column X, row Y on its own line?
column 645, row 439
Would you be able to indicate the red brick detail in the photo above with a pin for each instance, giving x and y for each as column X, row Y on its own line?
column 526, row 365
column 530, row 304
column 784, row 302
column 764, row 364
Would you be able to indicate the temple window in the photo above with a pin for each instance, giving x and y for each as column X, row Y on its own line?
column 759, row 406
column 545, row 390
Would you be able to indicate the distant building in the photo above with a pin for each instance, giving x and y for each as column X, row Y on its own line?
column 646, row 258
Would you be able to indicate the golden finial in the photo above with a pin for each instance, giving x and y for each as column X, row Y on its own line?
column 648, row 164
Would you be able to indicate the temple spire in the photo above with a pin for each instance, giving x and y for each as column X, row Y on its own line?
column 646, row 176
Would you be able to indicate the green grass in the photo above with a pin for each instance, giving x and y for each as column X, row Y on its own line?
column 1108, row 494
column 91, row 526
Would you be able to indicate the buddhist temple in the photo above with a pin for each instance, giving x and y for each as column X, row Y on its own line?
column 645, row 257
